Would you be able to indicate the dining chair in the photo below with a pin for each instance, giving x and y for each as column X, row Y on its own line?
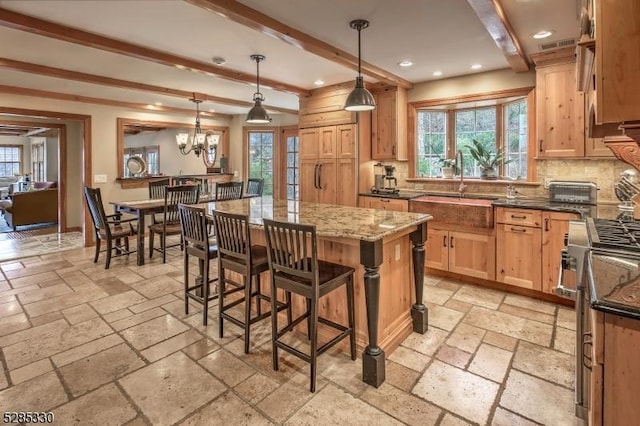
column 229, row 191
column 255, row 186
column 236, row 253
column 292, row 252
column 198, row 243
column 170, row 225
column 185, row 180
column 108, row 228
column 157, row 188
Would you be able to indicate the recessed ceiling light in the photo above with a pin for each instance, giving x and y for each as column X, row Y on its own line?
column 212, row 111
column 158, row 103
column 318, row 82
column 218, row 60
column 437, row 73
column 405, row 63
column 542, row 34
column 476, row 66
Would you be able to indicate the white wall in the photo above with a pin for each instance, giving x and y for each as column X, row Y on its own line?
column 51, row 158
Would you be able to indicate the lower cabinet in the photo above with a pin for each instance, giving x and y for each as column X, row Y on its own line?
column 464, row 253
column 528, row 246
column 381, row 203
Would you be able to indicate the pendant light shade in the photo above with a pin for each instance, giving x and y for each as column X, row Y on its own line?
column 199, row 137
column 360, row 99
column 257, row 114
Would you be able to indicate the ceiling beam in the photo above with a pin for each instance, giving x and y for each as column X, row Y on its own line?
column 495, row 21
column 238, row 12
column 110, row 102
column 124, row 84
column 35, row 132
column 50, row 29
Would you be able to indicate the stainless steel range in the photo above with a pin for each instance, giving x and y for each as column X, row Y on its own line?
column 605, row 256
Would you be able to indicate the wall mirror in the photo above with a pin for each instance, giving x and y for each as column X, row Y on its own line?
column 152, row 148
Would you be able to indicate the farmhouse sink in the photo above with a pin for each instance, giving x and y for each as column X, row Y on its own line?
column 473, row 212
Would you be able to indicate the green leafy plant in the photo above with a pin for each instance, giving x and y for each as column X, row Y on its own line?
column 449, row 162
column 485, row 158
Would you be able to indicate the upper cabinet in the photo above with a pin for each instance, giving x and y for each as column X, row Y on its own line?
column 617, row 34
column 389, row 125
column 559, row 108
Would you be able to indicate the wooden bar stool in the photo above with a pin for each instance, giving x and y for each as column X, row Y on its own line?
column 293, row 261
column 237, row 254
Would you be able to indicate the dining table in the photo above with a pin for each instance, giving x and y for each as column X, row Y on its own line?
column 142, row 208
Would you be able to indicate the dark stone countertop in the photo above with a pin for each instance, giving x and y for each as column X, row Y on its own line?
column 402, row 195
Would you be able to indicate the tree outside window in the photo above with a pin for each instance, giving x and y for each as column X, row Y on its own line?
column 261, row 146
column 478, row 124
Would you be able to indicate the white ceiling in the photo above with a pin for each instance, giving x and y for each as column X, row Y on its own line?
column 443, row 35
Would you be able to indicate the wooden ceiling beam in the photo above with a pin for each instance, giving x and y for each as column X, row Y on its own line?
column 238, row 12
column 110, row 102
column 50, row 29
column 124, row 84
column 495, row 21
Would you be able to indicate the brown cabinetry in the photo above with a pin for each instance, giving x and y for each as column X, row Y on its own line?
column 614, row 378
column 328, row 165
column 518, row 242
column 617, row 34
column 559, row 112
column 389, row 125
column 554, row 227
column 381, row 203
column 465, row 253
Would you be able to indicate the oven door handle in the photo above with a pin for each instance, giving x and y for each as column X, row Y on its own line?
column 561, row 290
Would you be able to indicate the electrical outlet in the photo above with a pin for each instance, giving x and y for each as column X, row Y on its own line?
column 397, row 251
column 99, row 178
column 235, row 173
column 547, row 181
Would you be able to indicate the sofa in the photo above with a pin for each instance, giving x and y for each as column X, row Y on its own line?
column 32, row 207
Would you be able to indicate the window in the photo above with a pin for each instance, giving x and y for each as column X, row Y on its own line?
column 432, row 134
column 37, row 162
column 261, row 157
column 515, row 139
column 293, row 168
column 10, row 160
column 442, row 132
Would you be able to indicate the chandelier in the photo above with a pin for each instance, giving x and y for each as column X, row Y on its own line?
column 257, row 114
column 199, row 140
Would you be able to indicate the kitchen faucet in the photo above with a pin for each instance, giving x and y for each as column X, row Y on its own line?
column 462, row 186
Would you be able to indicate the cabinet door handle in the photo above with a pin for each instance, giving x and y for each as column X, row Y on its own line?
column 319, row 176
column 587, row 347
column 444, row 241
column 451, row 242
column 518, row 216
column 393, row 150
column 546, row 223
column 384, row 200
column 540, row 144
column 518, row 230
column 315, row 176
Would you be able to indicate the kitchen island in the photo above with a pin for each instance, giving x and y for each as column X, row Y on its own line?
column 386, row 248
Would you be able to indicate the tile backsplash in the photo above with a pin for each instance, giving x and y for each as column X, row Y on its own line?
column 603, row 172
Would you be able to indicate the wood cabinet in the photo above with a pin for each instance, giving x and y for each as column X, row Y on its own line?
column 614, row 378
column 559, row 112
column 518, row 242
column 555, row 226
column 381, row 203
column 617, row 58
column 465, row 253
column 389, row 125
column 328, row 165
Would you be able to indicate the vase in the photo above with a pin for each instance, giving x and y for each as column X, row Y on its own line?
column 447, row 172
column 488, row 173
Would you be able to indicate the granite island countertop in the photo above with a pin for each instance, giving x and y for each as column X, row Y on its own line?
column 330, row 220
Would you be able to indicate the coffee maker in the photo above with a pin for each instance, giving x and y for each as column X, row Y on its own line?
column 385, row 182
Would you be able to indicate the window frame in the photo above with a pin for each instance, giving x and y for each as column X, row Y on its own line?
column 20, row 153
column 275, row 161
column 38, row 161
column 448, row 105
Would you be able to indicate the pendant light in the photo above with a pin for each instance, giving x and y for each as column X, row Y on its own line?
column 257, row 114
column 360, row 99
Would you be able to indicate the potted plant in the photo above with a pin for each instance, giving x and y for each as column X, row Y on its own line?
column 448, row 167
column 487, row 160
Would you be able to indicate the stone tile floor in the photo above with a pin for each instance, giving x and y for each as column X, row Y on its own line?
column 105, row 347
column 39, row 244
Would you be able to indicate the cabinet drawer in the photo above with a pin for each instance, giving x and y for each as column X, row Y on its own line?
column 522, row 217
